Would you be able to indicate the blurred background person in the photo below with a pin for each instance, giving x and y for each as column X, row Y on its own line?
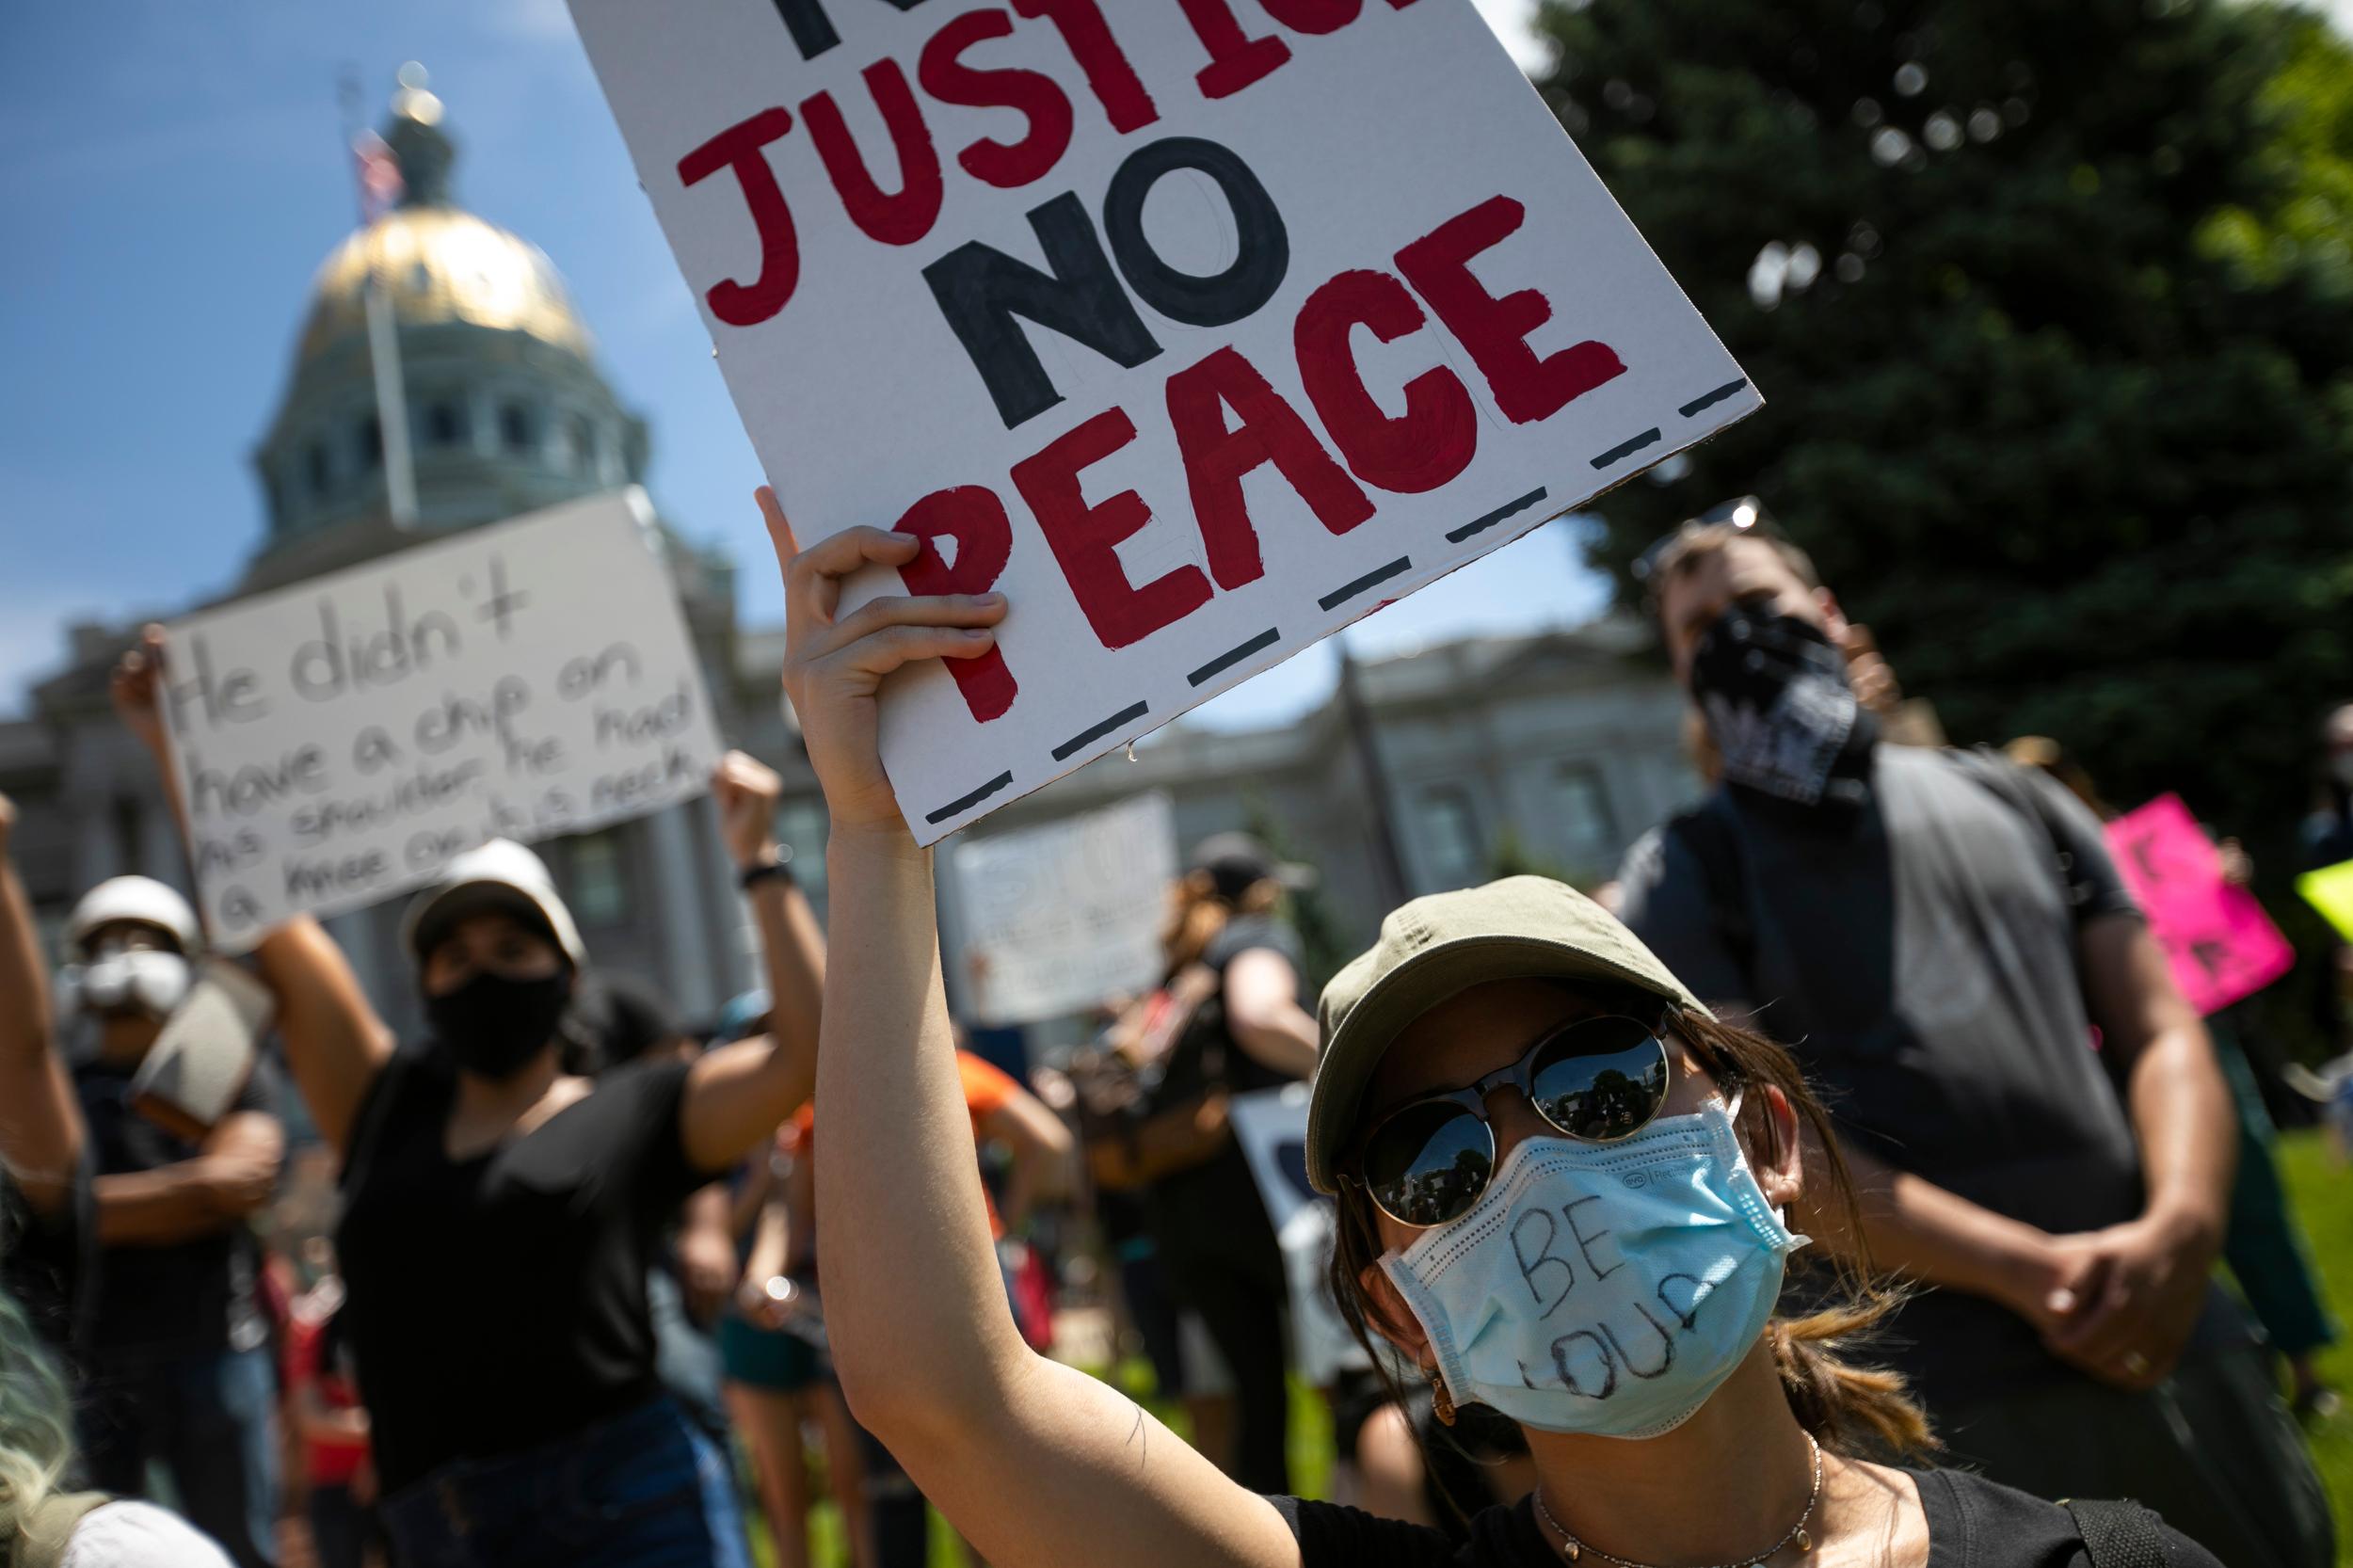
column 1226, row 1019
column 48, row 1235
column 501, row 1212
column 42, row 1526
column 1935, row 935
column 179, row 1374
column 332, row 1427
column 778, row 1388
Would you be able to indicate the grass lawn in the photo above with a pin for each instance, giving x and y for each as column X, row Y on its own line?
column 2322, row 1190
column 2319, row 1185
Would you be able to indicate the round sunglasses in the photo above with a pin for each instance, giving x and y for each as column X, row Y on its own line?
column 1597, row 1080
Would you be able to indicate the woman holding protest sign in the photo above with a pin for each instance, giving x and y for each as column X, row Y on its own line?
column 1516, row 1104
column 500, row 1211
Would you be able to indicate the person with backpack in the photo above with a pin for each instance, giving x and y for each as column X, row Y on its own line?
column 1940, row 937
column 1225, row 1020
column 1564, row 1191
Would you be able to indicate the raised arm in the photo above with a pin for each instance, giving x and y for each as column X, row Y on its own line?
column 1263, row 1010
column 738, row 1093
column 41, row 1126
column 1042, row 1150
column 1035, row 1463
column 335, row 1043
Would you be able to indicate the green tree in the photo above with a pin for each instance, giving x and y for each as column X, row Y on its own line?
column 2078, row 455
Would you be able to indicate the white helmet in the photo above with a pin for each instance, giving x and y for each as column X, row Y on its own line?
column 139, row 899
column 143, row 980
column 500, row 872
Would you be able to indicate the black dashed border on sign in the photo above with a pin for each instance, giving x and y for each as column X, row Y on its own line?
column 1708, row 400
column 1480, row 524
column 1627, row 448
column 1235, row 655
column 1096, row 731
column 966, row 803
column 1377, row 576
column 1332, row 601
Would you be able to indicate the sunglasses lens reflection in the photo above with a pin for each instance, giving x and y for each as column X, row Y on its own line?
column 1428, row 1164
column 1601, row 1079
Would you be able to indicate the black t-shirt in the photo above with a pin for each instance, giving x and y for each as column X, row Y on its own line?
column 48, row 1262
column 189, row 1298
column 1973, row 1523
column 499, row 1302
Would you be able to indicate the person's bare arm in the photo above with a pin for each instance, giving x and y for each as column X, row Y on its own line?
column 1035, row 1464
column 41, row 1124
column 706, row 1250
column 1042, row 1150
column 2136, row 1289
column 737, row 1095
column 335, row 1044
column 236, row 1173
column 1263, row 1010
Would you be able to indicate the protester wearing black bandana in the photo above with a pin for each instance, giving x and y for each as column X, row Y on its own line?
column 1773, row 689
column 1939, row 937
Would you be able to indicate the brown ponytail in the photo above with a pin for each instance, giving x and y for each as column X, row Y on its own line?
column 1847, row 1406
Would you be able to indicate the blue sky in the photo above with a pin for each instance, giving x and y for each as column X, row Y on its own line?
column 173, row 175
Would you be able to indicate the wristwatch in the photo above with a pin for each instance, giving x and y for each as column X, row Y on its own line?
column 779, row 867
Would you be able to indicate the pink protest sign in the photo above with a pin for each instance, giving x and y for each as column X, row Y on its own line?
column 2221, row 944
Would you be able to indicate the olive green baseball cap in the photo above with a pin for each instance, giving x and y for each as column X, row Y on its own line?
column 1434, row 947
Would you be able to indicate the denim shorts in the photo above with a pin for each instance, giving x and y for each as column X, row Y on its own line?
column 645, row 1490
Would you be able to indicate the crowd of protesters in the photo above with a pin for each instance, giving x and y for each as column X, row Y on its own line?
column 1848, row 1182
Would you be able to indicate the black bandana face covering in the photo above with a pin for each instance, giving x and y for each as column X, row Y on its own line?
column 1773, row 690
column 492, row 1025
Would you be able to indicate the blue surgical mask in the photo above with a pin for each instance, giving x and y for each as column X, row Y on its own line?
column 1607, row 1288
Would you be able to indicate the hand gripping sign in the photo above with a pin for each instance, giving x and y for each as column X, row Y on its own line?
column 337, row 742
column 1196, row 328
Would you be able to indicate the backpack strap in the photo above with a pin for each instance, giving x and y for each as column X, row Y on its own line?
column 41, row 1539
column 1710, row 835
column 2120, row 1534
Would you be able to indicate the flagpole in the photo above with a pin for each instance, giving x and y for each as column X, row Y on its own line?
column 391, row 400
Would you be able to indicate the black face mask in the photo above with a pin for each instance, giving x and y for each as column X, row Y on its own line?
column 492, row 1025
column 1773, row 690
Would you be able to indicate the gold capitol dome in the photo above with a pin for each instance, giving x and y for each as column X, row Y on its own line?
column 434, row 260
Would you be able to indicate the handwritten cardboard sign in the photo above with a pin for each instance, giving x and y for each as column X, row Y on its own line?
column 337, row 742
column 2329, row 889
column 1198, row 328
column 1060, row 917
column 2221, row 944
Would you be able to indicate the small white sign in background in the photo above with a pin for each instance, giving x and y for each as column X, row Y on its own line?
column 1199, row 329
column 337, row 742
column 1059, row 918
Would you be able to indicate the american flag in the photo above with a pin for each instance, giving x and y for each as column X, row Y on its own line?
column 380, row 184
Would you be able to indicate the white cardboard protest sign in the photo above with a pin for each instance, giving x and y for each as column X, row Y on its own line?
column 1196, row 328
column 1272, row 1126
column 1060, row 917
column 337, row 742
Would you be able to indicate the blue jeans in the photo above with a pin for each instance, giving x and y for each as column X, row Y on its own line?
column 644, row 1490
column 205, row 1419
